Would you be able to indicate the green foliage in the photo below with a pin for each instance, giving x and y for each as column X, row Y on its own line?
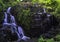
column 6, row 3
column 50, row 5
column 22, row 16
column 58, row 10
column 35, row 1
column 50, row 40
column 55, row 39
column 41, row 39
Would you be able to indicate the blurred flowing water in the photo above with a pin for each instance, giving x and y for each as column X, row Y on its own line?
column 9, row 22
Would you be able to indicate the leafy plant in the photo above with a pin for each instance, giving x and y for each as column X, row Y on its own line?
column 50, row 40
column 41, row 39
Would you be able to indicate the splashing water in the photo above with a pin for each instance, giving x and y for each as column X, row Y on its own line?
column 12, row 24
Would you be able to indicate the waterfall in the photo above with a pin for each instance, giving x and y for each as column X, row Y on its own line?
column 13, row 25
column 44, row 10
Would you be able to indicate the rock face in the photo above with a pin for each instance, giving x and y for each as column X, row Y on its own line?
column 42, row 23
column 1, row 18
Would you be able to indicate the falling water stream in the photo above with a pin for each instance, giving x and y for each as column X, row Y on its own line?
column 9, row 20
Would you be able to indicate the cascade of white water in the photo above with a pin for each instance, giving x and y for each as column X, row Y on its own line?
column 44, row 10
column 13, row 25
